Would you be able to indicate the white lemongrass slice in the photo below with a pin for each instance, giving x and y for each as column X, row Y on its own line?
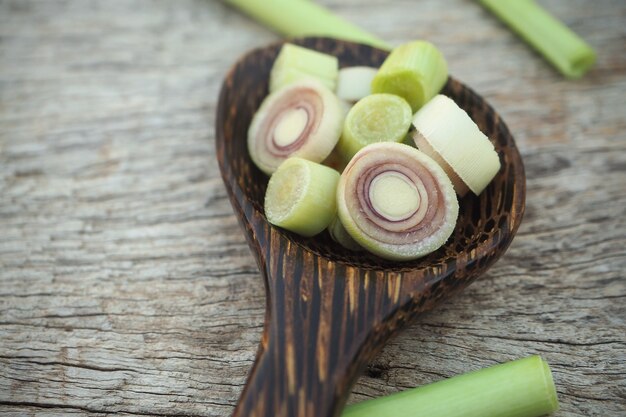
column 396, row 202
column 301, row 196
column 304, row 119
column 354, row 83
column 447, row 134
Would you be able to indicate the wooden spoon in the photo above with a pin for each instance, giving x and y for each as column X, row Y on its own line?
column 329, row 310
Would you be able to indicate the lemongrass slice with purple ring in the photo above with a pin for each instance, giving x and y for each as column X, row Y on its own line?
column 303, row 119
column 396, row 202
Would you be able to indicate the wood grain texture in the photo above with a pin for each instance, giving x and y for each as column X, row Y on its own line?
column 126, row 285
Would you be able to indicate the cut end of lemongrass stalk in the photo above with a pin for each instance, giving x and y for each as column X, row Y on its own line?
column 396, row 202
column 339, row 234
column 416, row 71
column 447, row 134
column 552, row 400
column 295, row 63
column 521, row 388
column 375, row 118
column 301, row 197
column 304, row 119
column 354, row 83
column 565, row 50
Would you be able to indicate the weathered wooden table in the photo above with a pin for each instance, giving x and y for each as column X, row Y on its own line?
column 126, row 285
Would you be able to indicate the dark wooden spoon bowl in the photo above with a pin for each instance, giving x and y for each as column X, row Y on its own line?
column 329, row 310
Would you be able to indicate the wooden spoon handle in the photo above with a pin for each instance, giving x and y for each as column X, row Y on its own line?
column 323, row 325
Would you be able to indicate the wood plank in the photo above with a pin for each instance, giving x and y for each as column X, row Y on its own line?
column 126, row 285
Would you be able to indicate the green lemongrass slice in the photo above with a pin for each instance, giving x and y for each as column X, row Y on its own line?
column 339, row 234
column 304, row 119
column 354, row 83
column 396, row 202
column 375, row 118
column 522, row 388
column 446, row 133
column 300, row 196
column 295, row 63
column 294, row 18
column 416, row 71
column 571, row 55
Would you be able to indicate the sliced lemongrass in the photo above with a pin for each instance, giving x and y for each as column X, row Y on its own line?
column 301, row 196
column 396, row 202
column 295, row 18
column 354, row 83
column 303, row 119
column 295, row 63
column 339, row 234
column 416, row 71
column 446, row 133
column 571, row 55
column 375, row 118
column 521, row 388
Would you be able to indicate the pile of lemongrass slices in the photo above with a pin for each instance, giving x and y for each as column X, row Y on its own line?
column 375, row 155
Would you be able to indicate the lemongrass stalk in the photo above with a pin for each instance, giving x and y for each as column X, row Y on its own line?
column 569, row 54
column 522, row 388
column 303, row 119
column 446, row 133
column 374, row 118
column 355, row 83
column 301, row 196
column 396, row 202
column 415, row 71
column 293, row 18
column 295, row 63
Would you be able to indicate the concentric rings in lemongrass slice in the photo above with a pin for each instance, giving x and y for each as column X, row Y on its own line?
column 303, row 119
column 396, row 202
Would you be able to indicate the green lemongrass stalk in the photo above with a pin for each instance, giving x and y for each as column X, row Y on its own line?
column 295, row 63
column 556, row 42
column 415, row 71
column 374, row 118
column 300, row 196
column 522, row 388
column 293, row 18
